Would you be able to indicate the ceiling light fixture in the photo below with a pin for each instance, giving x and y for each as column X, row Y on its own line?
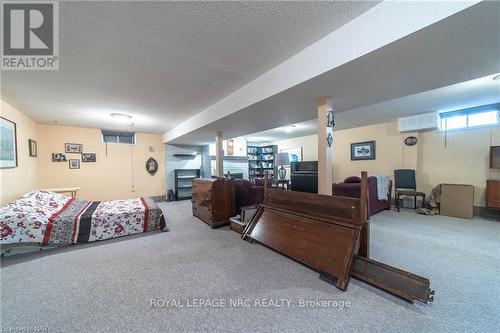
column 289, row 128
column 496, row 77
column 123, row 118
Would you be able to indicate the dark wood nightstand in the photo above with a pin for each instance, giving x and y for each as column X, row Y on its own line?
column 493, row 193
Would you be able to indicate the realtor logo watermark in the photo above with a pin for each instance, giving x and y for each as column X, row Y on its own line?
column 30, row 38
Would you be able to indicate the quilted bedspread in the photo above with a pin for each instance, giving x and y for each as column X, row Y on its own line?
column 49, row 218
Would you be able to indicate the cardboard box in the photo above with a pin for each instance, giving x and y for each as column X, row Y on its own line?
column 457, row 200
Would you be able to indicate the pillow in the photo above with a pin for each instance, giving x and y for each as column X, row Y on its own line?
column 352, row 179
column 46, row 195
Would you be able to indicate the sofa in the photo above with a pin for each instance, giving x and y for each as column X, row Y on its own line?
column 351, row 187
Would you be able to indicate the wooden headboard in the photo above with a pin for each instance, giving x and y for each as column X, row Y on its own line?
column 331, row 235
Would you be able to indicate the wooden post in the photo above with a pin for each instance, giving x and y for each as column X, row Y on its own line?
column 364, row 244
column 266, row 179
column 219, row 155
column 325, row 155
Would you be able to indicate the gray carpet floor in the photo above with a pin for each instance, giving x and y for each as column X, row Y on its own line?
column 108, row 286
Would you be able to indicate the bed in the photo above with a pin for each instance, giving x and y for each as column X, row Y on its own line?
column 331, row 235
column 52, row 219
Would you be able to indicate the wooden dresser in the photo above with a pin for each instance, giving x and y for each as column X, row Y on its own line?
column 493, row 193
column 213, row 201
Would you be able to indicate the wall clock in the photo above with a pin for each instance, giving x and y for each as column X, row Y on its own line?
column 411, row 141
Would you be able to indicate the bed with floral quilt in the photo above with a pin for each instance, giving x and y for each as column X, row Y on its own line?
column 47, row 218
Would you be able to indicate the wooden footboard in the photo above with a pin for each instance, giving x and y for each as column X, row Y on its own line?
column 323, row 232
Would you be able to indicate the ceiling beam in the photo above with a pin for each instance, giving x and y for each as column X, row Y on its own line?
column 377, row 27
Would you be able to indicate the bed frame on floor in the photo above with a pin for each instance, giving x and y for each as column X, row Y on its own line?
column 331, row 235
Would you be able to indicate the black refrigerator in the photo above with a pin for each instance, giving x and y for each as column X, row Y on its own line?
column 304, row 176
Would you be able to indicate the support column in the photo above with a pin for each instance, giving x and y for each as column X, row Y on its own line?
column 219, row 155
column 325, row 153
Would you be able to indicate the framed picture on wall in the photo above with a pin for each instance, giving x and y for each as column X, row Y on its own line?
column 151, row 166
column 32, row 148
column 73, row 148
column 88, row 157
column 8, row 144
column 59, row 157
column 74, row 164
column 294, row 154
column 363, row 151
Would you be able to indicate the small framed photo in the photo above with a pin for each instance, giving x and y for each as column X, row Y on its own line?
column 88, row 157
column 59, row 157
column 73, row 148
column 74, row 164
column 32, row 148
column 363, row 151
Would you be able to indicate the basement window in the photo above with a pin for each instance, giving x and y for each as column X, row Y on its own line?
column 487, row 115
column 118, row 137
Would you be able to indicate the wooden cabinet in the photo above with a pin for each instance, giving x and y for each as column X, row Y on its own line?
column 213, row 201
column 493, row 193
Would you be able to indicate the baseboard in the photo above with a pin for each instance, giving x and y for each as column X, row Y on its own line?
column 491, row 214
column 160, row 198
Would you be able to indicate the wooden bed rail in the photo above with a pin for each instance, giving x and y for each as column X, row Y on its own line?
column 330, row 234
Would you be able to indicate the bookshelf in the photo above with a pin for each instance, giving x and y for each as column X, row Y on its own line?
column 260, row 160
column 184, row 182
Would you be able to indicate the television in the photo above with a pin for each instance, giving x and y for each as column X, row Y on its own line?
column 495, row 157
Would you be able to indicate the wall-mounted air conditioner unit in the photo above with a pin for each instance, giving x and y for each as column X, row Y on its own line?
column 419, row 122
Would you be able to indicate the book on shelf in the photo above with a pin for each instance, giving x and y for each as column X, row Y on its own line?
column 261, row 160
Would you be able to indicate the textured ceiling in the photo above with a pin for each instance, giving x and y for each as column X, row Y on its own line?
column 304, row 128
column 164, row 61
column 460, row 48
column 477, row 92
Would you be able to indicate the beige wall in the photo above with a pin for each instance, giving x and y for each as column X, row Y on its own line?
column 122, row 173
column 463, row 161
column 389, row 151
column 309, row 146
column 118, row 175
column 308, row 143
column 17, row 181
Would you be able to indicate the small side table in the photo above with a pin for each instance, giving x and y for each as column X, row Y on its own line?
column 413, row 194
column 280, row 183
